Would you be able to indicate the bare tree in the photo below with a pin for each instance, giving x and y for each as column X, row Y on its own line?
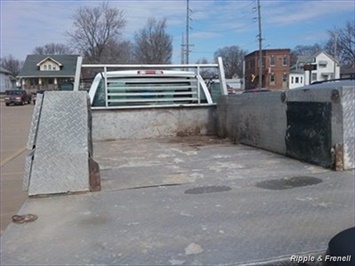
column 233, row 58
column 94, row 28
column 152, row 44
column 207, row 73
column 305, row 50
column 341, row 44
column 53, row 48
column 11, row 64
column 117, row 52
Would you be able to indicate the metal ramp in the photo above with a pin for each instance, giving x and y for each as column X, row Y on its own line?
column 60, row 140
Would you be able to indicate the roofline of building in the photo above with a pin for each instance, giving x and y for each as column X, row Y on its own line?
column 48, row 58
column 56, row 76
column 269, row 50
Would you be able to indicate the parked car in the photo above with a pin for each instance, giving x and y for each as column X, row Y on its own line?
column 17, row 97
column 34, row 95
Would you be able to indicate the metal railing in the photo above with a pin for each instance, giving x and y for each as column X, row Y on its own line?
column 150, row 85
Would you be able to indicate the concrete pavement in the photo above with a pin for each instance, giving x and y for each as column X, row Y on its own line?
column 185, row 201
column 15, row 122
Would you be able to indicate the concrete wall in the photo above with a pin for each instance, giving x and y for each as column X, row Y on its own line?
column 153, row 122
column 257, row 119
column 260, row 119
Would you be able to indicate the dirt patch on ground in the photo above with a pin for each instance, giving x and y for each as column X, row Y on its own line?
column 196, row 141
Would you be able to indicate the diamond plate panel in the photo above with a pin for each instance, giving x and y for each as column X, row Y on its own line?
column 34, row 123
column 60, row 173
column 28, row 169
column 348, row 102
column 62, row 147
column 64, row 124
column 91, row 152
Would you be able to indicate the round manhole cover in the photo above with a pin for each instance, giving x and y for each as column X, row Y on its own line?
column 288, row 183
column 207, row 189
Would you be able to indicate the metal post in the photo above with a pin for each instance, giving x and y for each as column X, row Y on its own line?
column 198, row 87
column 222, row 78
column 77, row 73
column 335, row 54
column 106, row 90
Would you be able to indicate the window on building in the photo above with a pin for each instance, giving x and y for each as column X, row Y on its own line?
column 285, row 60
column 49, row 67
column 45, row 67
column 301, row 79
column 296, row 80
column 54, row 68
column 284, row 78
column 322, row 64
column 272, row 60
column 291, row 80
column 272, row 79
column 314, row 76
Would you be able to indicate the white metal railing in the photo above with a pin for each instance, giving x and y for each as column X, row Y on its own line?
column 142, row 87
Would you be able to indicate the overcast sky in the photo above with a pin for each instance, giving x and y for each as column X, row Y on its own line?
column 214, row 24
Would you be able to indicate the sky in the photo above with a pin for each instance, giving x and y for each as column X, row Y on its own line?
column 214, row 24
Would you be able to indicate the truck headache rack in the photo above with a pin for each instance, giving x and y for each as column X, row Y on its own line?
column 132, row 86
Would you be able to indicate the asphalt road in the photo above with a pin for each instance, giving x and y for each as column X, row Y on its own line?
column 15, row 124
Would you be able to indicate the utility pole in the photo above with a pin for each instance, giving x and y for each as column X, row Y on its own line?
column 187, row 31
column 260, row 49
column 185, row 48
column 182, row 49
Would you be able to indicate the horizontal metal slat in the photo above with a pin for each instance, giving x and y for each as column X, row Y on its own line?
column 151, row 80
column 183, row 87
column 151, row 100
column 152, row 93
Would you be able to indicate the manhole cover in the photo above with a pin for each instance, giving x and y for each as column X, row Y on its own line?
column 207, row 189
column 288, row 183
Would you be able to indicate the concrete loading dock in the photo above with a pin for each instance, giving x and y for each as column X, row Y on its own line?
column 191, row 200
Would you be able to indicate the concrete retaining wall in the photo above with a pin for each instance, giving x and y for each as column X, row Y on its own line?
column 153, row 122
column 254, row 119
column 260, row 119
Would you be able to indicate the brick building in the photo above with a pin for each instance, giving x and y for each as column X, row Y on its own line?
column 275, row 69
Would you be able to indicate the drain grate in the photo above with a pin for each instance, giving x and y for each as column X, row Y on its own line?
column 207, row 189
column 289, row 183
